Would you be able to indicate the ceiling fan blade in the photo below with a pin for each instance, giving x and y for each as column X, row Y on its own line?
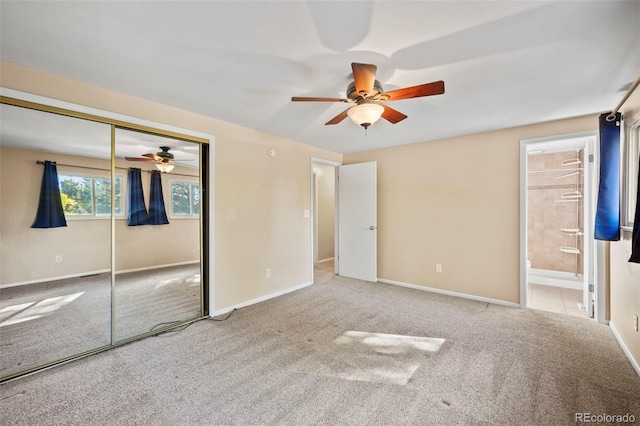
column 338, row 118
column 428, row 89
column 364, row 76
column 138, row 159
column 391, row 115
column 309, row 99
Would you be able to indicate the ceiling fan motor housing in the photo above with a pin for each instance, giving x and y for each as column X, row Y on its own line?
column 165, row 154
column 355, row 96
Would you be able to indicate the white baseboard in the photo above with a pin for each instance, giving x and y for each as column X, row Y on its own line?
column 101, row 271
column 61, row 277
column 451, row 293
column 624, row 347
column 149, row 268
column 328, row 259
column 259, row 299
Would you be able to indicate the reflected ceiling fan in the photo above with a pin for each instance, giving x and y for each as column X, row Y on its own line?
column 164, row 159
column 366, row 92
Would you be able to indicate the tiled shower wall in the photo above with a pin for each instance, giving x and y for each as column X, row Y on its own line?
column 546, row 216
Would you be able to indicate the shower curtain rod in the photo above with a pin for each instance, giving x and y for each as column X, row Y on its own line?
column 630, row 90
column 108, row 170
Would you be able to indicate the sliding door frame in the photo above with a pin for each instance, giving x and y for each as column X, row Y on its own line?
column 206, row 144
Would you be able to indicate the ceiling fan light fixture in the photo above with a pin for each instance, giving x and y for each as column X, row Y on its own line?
column 365, row 114
column 165, row 167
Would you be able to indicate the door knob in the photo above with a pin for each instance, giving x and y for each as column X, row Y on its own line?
column 372, row 227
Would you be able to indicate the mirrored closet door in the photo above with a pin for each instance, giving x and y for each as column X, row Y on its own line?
column 55, row 270
column 103, row 234
column 157, row 257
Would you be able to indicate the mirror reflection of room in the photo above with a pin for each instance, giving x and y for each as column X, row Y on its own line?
column 85, row 264
column 157, row 257
column 55, row 279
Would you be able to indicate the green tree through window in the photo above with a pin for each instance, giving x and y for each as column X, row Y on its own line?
column 89, row 196
column 77, row 195
column 185, row 199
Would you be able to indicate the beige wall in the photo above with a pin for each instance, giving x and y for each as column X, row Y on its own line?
column 326, row 182
column 28, row 254
column 452, row 201
column 259, row 200
column 456, row 202
column 625, row 276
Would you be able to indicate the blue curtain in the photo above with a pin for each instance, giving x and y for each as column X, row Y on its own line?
column 607, row 225
column 635, row 242
column 157, row 213
column 137, row 209
column 50, row 213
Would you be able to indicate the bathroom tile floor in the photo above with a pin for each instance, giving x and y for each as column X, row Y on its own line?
column 555, row 299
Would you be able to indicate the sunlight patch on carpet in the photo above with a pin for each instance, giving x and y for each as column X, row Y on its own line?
column 191, row 281
column 381, row 358
column 29, row 311
column 390, row 343
column 390, row 371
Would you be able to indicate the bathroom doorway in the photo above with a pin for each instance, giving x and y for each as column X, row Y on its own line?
column 557, row 193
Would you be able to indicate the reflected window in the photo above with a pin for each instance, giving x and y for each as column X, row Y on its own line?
column 185, row 199
column 89, row 196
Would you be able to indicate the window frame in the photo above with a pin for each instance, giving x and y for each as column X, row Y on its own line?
column 191, row 183
column 630, row 170
column 93, row 176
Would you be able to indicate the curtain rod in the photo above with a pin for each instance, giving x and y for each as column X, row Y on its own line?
column 108, row 170
column 612, row 115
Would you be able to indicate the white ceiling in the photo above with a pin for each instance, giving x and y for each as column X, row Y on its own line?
column 504, row 64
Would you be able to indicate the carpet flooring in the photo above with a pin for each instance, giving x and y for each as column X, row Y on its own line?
column 344, row 352
column 41, row 323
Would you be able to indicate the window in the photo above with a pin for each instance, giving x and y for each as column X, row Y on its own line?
column 185, row 199
column 630, row 171
column 89, row 196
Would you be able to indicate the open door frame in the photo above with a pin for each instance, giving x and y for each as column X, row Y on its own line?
column 335, row 165
column 594, row 260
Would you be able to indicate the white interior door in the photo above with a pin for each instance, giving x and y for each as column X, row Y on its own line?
column 357, row 218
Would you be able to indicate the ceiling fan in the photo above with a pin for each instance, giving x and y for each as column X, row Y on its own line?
column 164, row 159
column 366, row 92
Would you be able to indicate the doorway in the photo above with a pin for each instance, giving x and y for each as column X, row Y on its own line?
column 354, row 217
column 324, row 215
column 558, row 251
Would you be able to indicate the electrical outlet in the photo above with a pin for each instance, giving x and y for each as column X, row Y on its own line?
column 59, row 258
column 438, row 267
column 635, row 322
column 267, row 273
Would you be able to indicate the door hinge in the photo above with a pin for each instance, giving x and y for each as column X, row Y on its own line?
column 591, row 289
column 591, row 158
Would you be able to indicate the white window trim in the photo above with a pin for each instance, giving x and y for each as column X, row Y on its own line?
column 83, row 174
column 631, row 151
column 193, row 181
